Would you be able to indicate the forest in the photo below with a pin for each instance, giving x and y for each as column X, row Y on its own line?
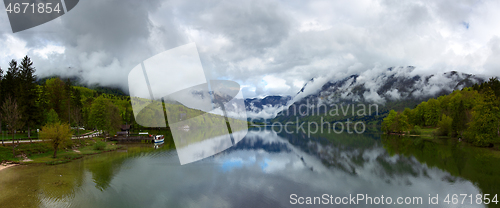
column 28, row 103
column 471, row 114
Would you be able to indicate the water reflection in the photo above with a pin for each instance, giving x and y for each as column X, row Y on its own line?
column 477, row 165
column 262, row 170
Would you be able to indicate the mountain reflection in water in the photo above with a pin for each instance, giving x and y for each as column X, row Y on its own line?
column 262, row 170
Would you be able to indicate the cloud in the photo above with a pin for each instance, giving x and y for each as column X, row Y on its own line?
column 247, row 41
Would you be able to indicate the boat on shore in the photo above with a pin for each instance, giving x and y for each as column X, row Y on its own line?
column 158, row 138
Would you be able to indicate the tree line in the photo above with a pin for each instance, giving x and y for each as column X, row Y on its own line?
column 27, row 104
column 471, row 114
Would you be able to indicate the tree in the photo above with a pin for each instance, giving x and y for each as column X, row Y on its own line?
column 28, row 94
column 68, row 91
column 12, row 116
column 10, row 84
column 459, row 122
column 401, row 125
column 388, row 121
column 76, row 115
column 419, row 115
column 395, row 122
column 104, row 115
column 76, row 108
column 57, row 133
column 57, row 97
column 432, row 112
column 445, row 126
column 486, row 116
column 410, row 114
column 52, row 117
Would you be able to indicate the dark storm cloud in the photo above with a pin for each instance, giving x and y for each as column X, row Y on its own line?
column 269, row 47
column 102, row 40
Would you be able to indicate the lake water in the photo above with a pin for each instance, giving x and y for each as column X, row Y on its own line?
column 265, row 169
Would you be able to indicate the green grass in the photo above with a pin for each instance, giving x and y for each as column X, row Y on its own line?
column 64, row 156
column 21, row 136
column 24, row 136
column 6, row 154
column 427, row 132
column 42, row 152
column 75, row 133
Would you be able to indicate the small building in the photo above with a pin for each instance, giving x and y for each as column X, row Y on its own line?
column 125, row 128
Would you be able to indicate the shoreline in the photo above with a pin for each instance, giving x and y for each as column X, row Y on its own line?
column 6, row 165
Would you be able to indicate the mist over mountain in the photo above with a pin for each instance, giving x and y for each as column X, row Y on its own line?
column 78, row 81
column 267, row 107
column 393, row 86
column 389, row 86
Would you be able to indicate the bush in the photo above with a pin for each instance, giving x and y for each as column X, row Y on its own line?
column 444, row 126
column 69, row 144
column 416, row 130
column 100, row 145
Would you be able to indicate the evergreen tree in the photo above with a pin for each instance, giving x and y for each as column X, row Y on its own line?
column 459, row 120
column 10, row 84
column 28, row 94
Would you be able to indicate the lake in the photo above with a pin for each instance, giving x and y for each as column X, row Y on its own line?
column 266, row 169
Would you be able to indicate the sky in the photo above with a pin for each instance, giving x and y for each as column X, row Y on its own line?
column 268, row 47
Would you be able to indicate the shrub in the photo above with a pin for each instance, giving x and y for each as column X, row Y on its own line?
column 416, row 130
column 444, row 126
column 100, row 145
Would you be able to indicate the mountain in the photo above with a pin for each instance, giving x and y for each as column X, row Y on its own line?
column 392, row 85
column 393, row 88
column 265, row 108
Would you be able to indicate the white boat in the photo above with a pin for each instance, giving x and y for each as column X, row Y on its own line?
column 158, row 138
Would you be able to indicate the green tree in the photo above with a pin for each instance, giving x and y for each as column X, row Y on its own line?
column 388, row 121
column 10, row 84
column 432, row 112
column 419, row 115
column 57, row 133
column 57, row 97
column 104, row 115
column 410, row 114
column 459, row 122
column 483, row 128
column 401, row 125
column 52, row 117
column 395, row 122
column 27, row 95
column 445, row 126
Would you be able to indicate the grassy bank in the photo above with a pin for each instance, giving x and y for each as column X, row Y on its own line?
column 42, row 152
column 432, row 133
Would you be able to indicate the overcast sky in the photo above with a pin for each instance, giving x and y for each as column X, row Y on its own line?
column 268, row 47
